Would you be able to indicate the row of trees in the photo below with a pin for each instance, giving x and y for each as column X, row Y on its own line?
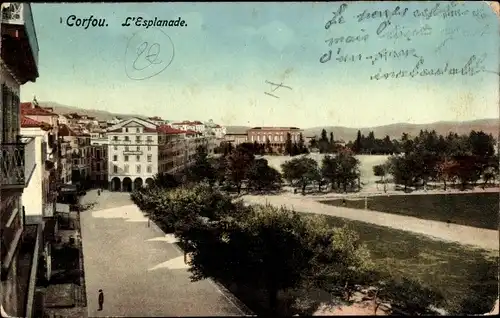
column 271, row 249
column 429, row 157
column 240, row 168
column 341, row 172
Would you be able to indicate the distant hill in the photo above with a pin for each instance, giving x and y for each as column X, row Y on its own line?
column 99, row 114
column 489, row 126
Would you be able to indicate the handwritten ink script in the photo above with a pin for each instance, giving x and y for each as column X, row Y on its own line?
column 388, row 28
column 149, row 53
column 276, row 86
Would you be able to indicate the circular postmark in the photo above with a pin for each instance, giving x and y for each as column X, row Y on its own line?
column 149, row 52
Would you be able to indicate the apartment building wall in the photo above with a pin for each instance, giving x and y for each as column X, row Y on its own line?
column 33, row 195
column 133, row 154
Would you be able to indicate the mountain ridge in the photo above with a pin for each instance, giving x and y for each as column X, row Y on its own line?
column 488, row 125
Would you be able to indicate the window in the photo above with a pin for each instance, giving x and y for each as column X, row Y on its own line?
column 149, row 169
column 137, row 158
column 138, row 148
column 149, row 148
column 115, row 169
column 150, row 138
column 138, row 138
column 115, row 138
column 126, row 138
column 125, row 158
column 138, row 168
column 126, row 130
column 150, row 158
column 126, row 148
column 115, row 147
column 125, row 168
column 115, row 158
column 138, row 130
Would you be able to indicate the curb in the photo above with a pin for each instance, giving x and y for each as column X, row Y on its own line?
column 221, row 288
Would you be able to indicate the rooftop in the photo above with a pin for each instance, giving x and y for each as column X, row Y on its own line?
column 32, row 109
column 27, row 122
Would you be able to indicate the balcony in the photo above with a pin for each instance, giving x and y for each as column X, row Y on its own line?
column 19, row 42
column 132, row 152
column 17, row 163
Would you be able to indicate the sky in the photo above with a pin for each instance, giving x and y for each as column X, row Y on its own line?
column 218, row 65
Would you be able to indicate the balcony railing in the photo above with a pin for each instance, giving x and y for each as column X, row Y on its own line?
column 132, row 152
column 20, row 14
column 17, row 162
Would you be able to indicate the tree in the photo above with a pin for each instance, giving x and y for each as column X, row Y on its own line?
column 313, row 143
column 272, row 249
column 202, row 170
column 348, row 169
column 381, row 171
column 301, row 171
column 165, row 181
column 330, row 170
column 301, row 145
column 288, row 144
column 269, row 148
column 262, row 177
column 323, row 143
column 357, row 147
column 238, row 163
column 402, row 170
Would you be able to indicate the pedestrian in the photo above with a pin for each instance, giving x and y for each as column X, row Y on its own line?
column 99, row 192
column 101, row 299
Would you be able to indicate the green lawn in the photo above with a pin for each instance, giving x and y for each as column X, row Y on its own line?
column 472, row 209
column 452, row 269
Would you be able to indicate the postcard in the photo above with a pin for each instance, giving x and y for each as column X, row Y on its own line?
column 249, row 158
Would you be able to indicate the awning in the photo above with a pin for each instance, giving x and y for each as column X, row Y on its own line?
column 62, row 208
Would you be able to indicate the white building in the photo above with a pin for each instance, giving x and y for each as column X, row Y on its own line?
column 39, row 196
column 186, row 125
column 138, row 149
column 133, row 153
column 215, row 130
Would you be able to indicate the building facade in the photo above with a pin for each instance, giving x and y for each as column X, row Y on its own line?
column 39, row 196
column 276, row 135
column 18, row 65
column 138, row 150
column 134, row 154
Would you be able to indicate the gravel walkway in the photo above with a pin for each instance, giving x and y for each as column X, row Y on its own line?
column 483, row 238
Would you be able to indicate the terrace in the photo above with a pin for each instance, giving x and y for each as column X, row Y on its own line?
column 19, row 45
column 17, row 163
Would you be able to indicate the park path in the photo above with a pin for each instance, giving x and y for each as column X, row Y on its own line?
column 140, row 270
column 467, row 235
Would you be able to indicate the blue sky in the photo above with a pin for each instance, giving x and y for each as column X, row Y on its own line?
column 228, row 50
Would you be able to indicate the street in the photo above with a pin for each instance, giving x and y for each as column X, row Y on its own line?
column 138, row 268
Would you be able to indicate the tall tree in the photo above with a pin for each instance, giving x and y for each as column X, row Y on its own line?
column 301, row 145
column 269, row 148
column 237, row 166
column 357, row 147
column 288, row 144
